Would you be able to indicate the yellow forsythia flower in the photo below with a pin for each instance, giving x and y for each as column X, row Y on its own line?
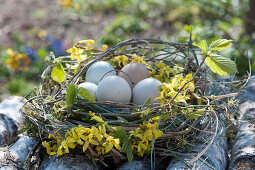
column 104, row 47
column 89, row 44
column 122, row 60
column 76, row 53
column 137, row 59
column 143, row 136
column 66, row 3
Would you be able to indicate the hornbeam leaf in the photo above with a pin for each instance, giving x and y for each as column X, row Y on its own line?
column 202, row 45
column 122, row 135
column 220, row 45
column 221, row 65
column 127, row 148
column 71, row 94
column 86, row 94
column 58, row 73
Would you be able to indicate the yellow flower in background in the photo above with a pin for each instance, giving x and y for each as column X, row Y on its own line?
column 104, row 47
column 76, row 6
column 17, row 61
column 137, row 59
column 89, row 44
column 66, row 3
column 10, row 52
column 121, row 60
column 76, row 53
column 42, row 33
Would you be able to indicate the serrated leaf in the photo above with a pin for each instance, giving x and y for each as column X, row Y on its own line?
column 196, row 114
column 71, row 94
column 58, row 73
column 220, row 45
column 86, row 94
column 121, row 134
column 127, row 148
column 202, row 45
column 221, row 65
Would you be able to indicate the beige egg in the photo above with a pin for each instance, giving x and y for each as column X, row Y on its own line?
column 134, row 72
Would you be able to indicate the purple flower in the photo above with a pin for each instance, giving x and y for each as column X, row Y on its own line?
column 30, row 53
column 57, row 46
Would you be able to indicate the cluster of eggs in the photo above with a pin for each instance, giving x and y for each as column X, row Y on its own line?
column 133, row 83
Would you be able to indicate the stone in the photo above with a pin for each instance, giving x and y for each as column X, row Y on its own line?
column 8, row 130
column 10, row 107
column 134, row 165
column 20, row 149
column 10, row 120
column 67, row 162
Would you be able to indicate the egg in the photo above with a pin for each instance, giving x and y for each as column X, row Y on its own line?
column 98, row 70
column 91, row 87
column 135, row 72
column 113, row 88
column 145, row 89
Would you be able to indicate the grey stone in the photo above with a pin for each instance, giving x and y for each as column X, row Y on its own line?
column 8, row 130
column 10, row 120
column 21, row 148
column 11, row 107
column 67, row 162
column 7, row 162
column 134, row 165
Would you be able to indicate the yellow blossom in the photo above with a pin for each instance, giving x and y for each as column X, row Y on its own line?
column 121, row 60
column 76, row 53
column 77, row 6
column 143, row 136
column 89, row 44
column 10, row 52
column 42, row 33
column 18, row 61
column 66, row 3
column 137, row 59
column 104, row 47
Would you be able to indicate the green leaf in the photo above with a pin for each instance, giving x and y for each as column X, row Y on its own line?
column 127, row 148
column 196, row 114
column 221, row 65
column 188, row 28
column 220, row 45
column 71, row 94
column 58, row 73
column 48, row 99
column 86, row 94
column 147, row 102
column 121, row 134
column 41, row 52
column 202, row 45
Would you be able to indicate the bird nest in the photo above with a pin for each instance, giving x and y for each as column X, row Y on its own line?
column 68, row 117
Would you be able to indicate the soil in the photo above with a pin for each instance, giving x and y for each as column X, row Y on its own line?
column 23, row 16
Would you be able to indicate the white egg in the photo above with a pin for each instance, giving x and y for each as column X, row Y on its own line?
column 113, row 88
column 98, row 70
column 91, row 87
column 145, row 89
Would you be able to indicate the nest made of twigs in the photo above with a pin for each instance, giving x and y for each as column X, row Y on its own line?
column 44, row 109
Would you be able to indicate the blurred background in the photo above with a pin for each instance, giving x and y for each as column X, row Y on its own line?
column 30, row 29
